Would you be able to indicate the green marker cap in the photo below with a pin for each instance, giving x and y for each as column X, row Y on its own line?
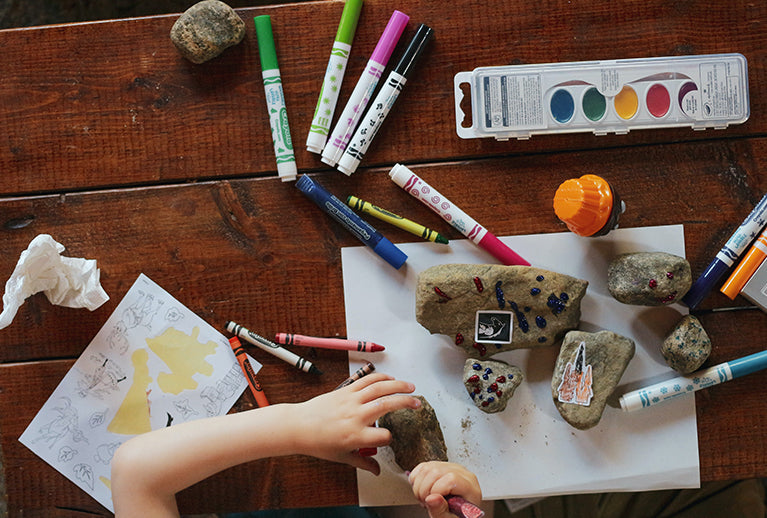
column 266, row 42
column 349, row 18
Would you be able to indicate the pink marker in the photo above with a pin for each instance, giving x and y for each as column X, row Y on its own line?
column 364, row 89
column 457, row 218
column 328, row 343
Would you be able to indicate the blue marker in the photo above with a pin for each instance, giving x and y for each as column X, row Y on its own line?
column 705, row 378
column 340, row 212
column 729, row 253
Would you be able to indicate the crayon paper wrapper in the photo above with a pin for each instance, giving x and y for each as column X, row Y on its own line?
column 528, row 449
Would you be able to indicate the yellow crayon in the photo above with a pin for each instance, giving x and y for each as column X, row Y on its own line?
column 396, row 220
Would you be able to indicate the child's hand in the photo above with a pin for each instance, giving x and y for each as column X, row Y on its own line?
column 335, row 425
column 433, row 481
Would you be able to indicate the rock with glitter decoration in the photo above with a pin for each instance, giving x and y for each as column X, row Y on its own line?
column 416, row 435
column 588, row 369
column 491, row 383
column 648, row 278
column 206, row 29
column 687, row 346
column 487, row 309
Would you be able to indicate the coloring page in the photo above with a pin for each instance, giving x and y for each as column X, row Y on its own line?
column 153, row 364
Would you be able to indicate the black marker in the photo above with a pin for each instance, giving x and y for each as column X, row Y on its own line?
column 383, row 102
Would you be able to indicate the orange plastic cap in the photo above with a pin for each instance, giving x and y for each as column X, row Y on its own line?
column 584, row 204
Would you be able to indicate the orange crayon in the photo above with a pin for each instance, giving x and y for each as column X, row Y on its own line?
column 746, row 268
column 247, row 369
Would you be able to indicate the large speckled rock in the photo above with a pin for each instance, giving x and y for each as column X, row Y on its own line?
column 687, row 346
column 206, row 29
column 491, row 383
column 588, row 369
column 648, row 278
column 488, row 309
column 416, row 435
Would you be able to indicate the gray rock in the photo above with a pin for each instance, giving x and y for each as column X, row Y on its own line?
column 206, row 29
column 416, row 435
column 648, row 278
column 488, row 309
column 491, row 383
column 687, row 346
column 588, row 369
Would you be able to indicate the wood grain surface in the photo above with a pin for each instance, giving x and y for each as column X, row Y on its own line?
column 127, row 154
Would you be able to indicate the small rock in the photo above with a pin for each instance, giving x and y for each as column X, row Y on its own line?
column 648, row 278
column 488, row 309
column 416, row 435
column 206, row 29
column 588, row 369
column 491, row 383
column 687, row 347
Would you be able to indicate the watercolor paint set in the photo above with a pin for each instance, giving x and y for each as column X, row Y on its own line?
column 616, row 96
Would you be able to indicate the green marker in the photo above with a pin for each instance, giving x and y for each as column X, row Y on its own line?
column 334, row 75
column 275, row 100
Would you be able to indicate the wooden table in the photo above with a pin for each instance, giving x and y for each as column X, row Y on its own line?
column 126, row 153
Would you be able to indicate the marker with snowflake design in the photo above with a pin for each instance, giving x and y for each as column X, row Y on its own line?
column 334, row 76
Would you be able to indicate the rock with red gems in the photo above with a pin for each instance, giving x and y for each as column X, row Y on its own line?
column 491, row 383
column 488, row 309
column 416, row 435
column 648, row 278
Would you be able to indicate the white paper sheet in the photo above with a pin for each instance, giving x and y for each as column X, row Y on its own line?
column 154, row 363
column 528, row 449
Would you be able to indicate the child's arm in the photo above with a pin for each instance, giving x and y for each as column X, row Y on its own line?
column 148, row 470
column 433, row 481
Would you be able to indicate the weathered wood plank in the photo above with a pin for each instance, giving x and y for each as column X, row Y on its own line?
column 113, row 103
column 230, row 249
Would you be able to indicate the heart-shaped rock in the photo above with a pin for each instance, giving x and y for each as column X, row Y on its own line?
column 491, row 383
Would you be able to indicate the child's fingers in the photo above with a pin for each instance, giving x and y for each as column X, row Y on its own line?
column 378, row 407
column 386, row 388
column 368, row 380
column 366, row 463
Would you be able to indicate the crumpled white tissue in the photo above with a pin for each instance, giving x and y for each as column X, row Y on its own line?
column 72, row 282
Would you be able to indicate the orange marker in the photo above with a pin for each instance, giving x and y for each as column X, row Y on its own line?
column 746, row 268
column 247, row 369
column 588, row 205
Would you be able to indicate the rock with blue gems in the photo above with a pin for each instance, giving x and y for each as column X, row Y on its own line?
column 687, row 346
column 588, row 369
column 491, row 383
column 648, row 278
column 487, row 309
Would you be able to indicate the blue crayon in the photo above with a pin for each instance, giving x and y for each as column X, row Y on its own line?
column 340, row 212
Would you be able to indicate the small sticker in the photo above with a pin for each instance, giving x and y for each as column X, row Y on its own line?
column 576, row 381
column 493, row 327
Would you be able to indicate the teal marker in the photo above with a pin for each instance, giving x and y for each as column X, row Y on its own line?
column 275, row 100
column 334, row 75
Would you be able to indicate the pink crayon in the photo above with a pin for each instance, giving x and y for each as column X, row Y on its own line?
column 457, row 218
column 463, row 508
column 328, row 343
